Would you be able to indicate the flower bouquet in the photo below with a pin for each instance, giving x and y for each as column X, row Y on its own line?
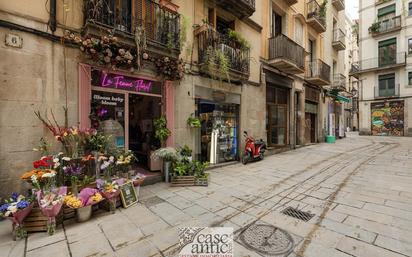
column 83, row 203
column 16, row 209
column 110, row 190
column 124, row 160
column 50, row 204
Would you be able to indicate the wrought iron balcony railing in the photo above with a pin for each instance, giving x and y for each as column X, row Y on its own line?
column 339, row 4
column 339, row 82
column 318, row 72
column 160, row 24
column 339, row 39
column 382, row 62
column 210, row 41
column 387, row 92
column 286, row 53
column 385, row 26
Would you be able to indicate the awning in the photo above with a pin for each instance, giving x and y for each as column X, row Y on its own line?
column 342, row 99
column 338, row 97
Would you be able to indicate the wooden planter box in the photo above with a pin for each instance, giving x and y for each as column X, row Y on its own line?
column 37, row 222
column 182, row 181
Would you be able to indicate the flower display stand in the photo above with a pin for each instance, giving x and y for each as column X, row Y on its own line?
column 37, row 222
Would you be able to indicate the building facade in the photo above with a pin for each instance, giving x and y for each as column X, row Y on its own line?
column 384, row 72
column 275, row 69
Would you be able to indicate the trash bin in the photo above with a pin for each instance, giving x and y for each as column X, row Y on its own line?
column 330, row 139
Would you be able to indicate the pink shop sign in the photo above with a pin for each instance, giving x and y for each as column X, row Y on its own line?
column 111, row 80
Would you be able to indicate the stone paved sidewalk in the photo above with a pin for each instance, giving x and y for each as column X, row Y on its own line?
column 359, row 190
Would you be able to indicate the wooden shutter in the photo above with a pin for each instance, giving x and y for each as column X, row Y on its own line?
column 84, row 95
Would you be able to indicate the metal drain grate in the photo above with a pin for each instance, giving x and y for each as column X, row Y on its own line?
column 295, row 213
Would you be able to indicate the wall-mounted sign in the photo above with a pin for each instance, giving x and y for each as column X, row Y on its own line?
column 219, row 96
column 117, row 81
column 105, row 98
column 14, row 40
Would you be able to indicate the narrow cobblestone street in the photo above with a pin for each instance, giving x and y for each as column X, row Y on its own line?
column 359, row 190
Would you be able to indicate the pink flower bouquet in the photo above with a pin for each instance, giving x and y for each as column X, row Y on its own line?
column 50, row 205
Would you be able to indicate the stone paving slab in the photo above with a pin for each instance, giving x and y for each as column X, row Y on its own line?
column 370, row 215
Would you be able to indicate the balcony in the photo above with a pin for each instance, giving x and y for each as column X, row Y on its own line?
column 161, row 26
column 316, row 16
column 339, row 5
column 214, row 49
column 354, row 70
column 339, row 82
column 339, row 40
column 385, row 26
column 286, row 55
column 239, row 8
column 387, row 92
column 385, row 62
column 317, row 73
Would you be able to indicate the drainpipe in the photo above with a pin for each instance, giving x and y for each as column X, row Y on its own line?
column 52, row 21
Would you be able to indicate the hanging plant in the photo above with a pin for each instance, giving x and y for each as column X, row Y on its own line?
column 193, row 122
column 161, row 130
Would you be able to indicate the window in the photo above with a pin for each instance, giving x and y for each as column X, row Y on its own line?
column 387, row 85
column 410, row 9
column 410, row 46
column 410, row 78
column 387, row 12
column 298, row 32
column 276, row 24
column 387, row 52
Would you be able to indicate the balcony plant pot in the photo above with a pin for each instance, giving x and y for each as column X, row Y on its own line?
column 154, row 164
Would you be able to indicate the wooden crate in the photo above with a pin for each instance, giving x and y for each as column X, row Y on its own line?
column 182, row 181
column 37, row 222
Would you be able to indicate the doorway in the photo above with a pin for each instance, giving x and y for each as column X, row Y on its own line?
column 310, row 130
column 143, row 110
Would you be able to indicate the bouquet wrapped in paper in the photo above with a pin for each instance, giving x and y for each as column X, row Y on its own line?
column 16, row 209
column 50, row 204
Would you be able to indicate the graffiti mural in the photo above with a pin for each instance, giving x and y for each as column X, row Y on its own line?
column 387, row 118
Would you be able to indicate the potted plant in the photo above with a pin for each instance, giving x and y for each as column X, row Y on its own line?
column 161, row 130
column 186, row 152
column 193, row 122
column 374, row 27
column 168, row 155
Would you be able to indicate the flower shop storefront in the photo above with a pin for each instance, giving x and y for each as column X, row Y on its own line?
column 124, row 107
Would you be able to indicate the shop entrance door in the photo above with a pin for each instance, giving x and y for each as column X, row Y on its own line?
column 143, row 110
column 310, row 128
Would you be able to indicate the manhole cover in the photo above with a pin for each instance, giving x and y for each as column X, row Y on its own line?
column 267, row 240
column 152, row 201
column 298, row 214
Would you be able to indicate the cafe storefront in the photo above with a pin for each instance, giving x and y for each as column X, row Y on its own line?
column 123, row 106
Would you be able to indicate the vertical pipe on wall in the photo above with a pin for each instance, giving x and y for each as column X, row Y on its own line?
column 52, row 21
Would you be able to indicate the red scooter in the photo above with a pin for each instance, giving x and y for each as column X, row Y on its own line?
column 254, row 149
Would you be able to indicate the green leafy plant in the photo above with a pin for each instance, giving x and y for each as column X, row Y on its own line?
column 185, row 151
column 239, row 39
column 182, row 169
column 184, row 24
column 374, row 27
column 199, row 168
column 322, row 9
column 217, row 63
column 161, row 130
column 193, row 122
